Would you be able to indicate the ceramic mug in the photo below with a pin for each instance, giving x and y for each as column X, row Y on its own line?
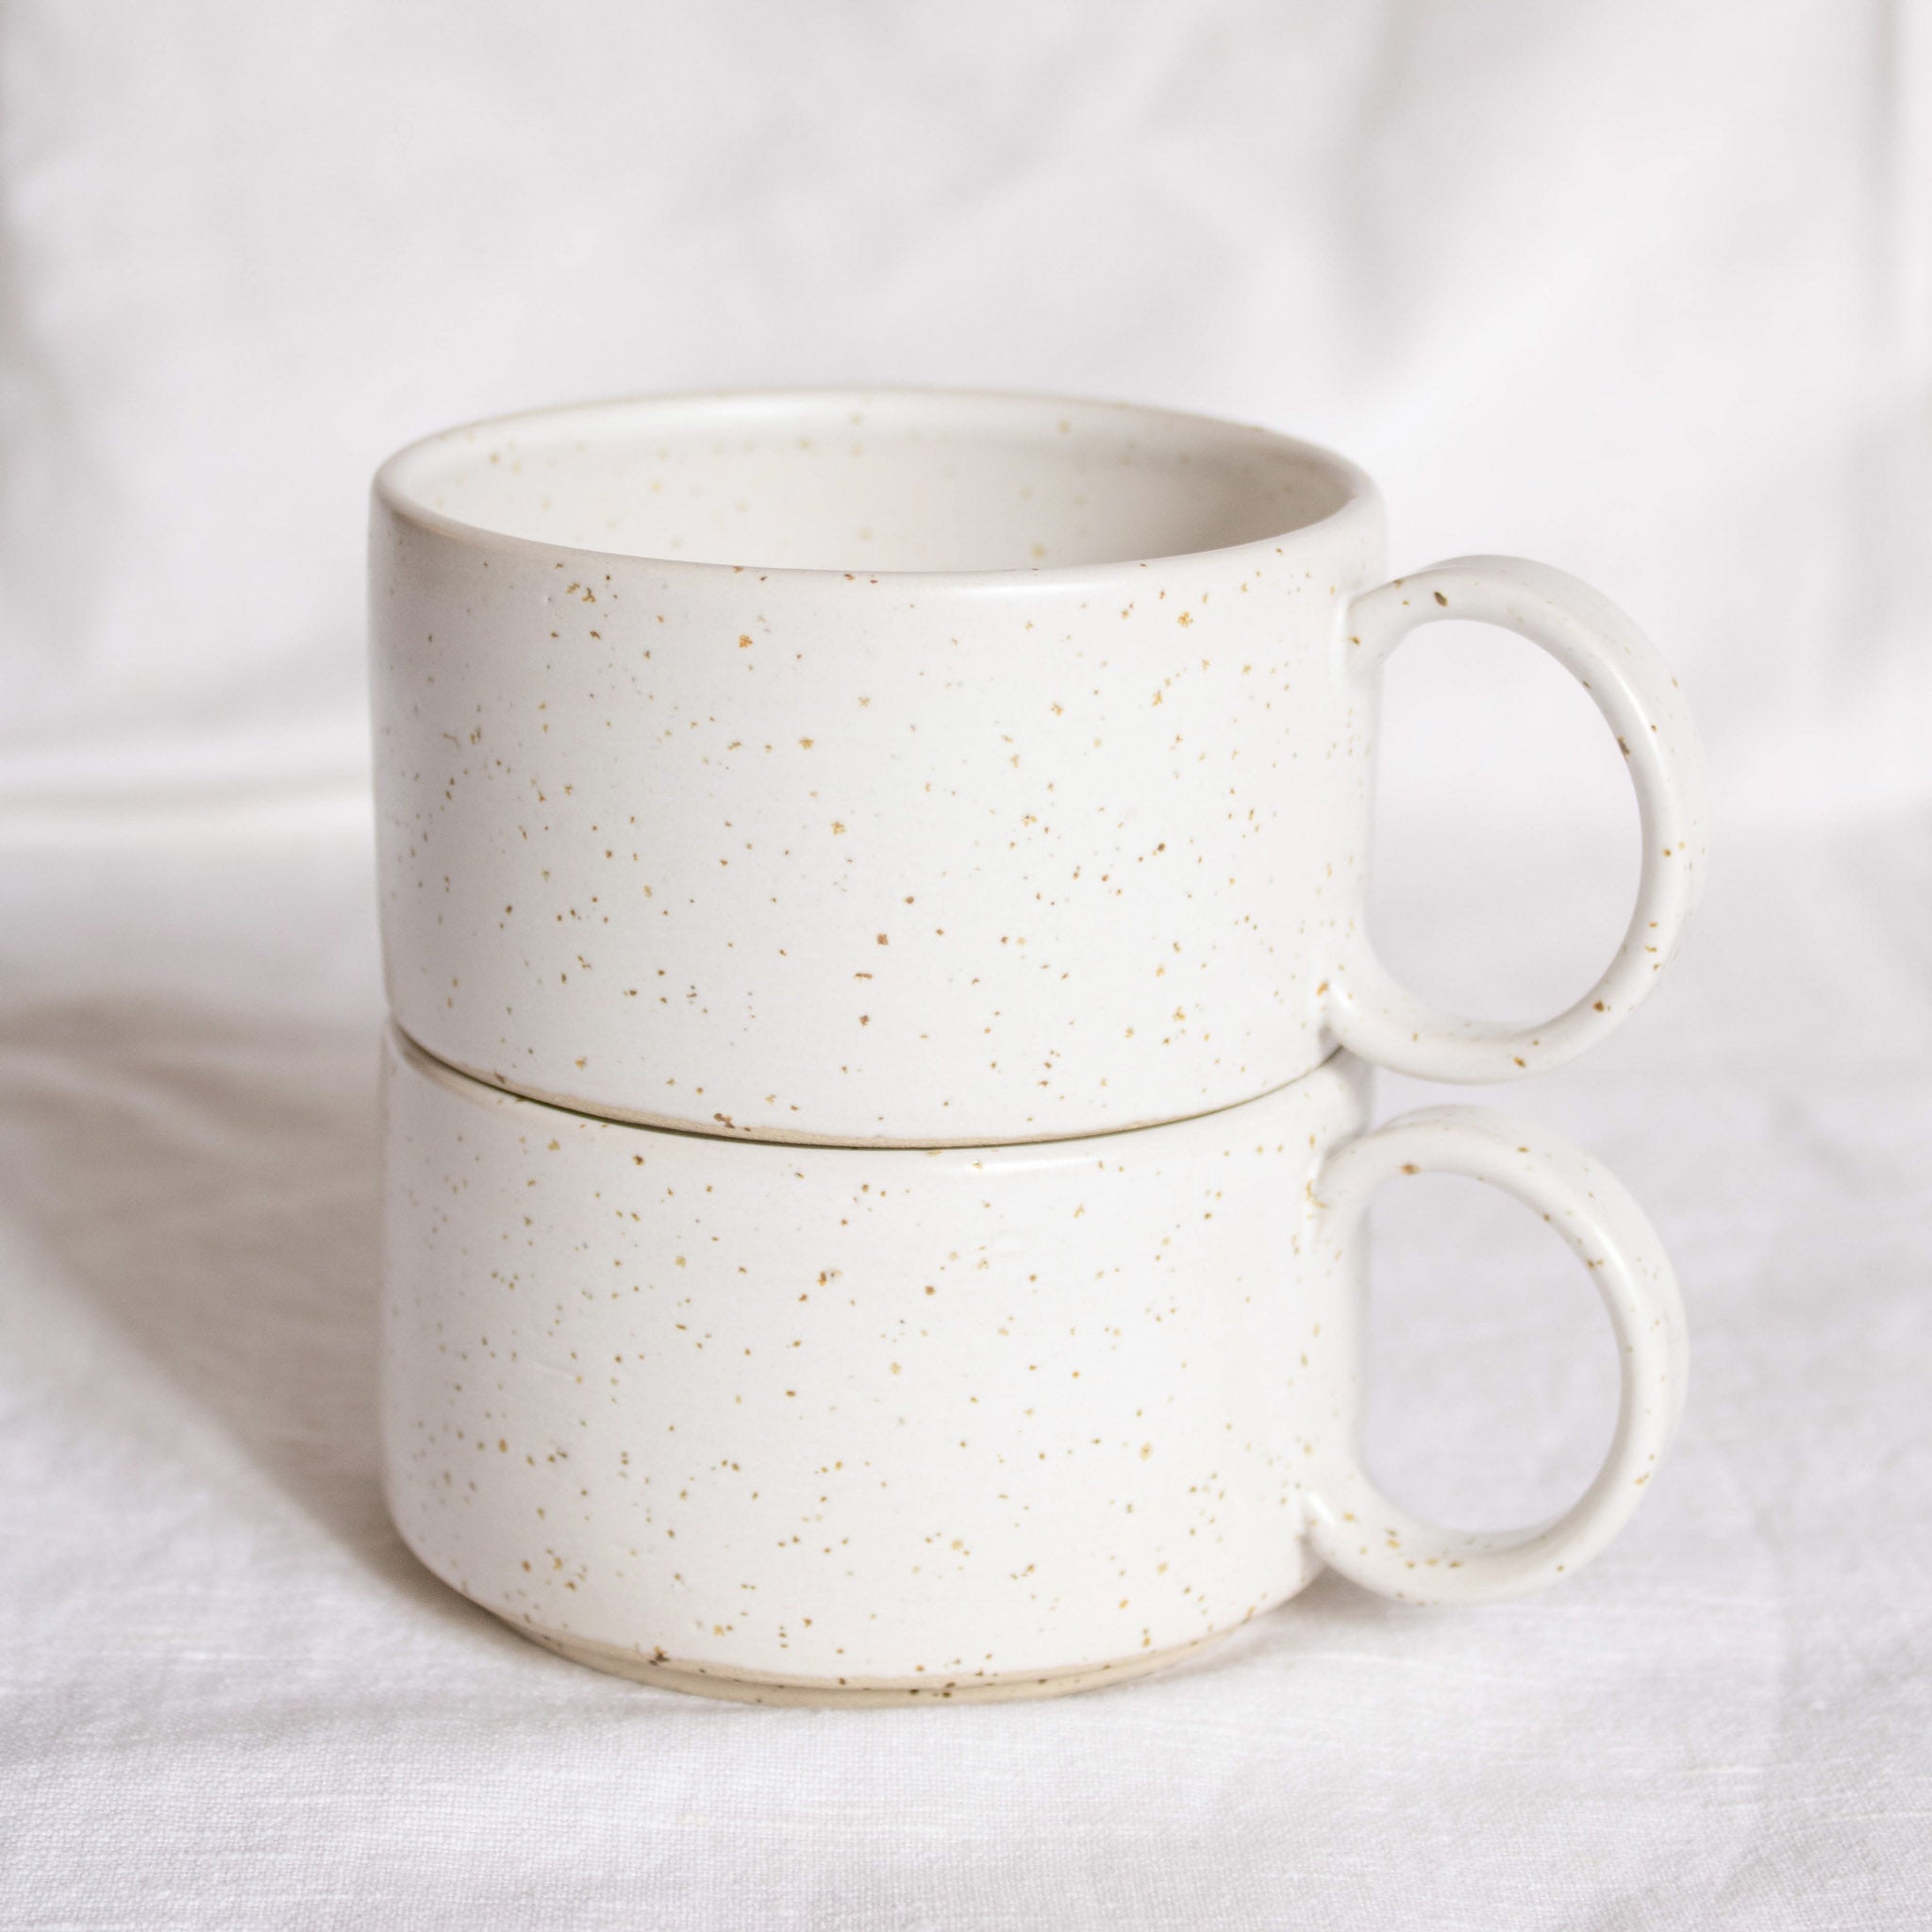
column 926, row 768
column 821, row 1425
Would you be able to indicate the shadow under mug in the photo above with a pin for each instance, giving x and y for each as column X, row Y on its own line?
column 820, row 1425
column 926, row 768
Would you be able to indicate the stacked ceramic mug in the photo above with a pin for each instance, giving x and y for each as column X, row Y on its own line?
column 873, row 902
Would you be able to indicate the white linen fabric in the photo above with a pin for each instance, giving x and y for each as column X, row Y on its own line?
column 1643, row 291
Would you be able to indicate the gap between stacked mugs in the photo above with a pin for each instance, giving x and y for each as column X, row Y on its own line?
column 872, row 890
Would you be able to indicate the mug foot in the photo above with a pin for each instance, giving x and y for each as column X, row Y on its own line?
column 870, row 1693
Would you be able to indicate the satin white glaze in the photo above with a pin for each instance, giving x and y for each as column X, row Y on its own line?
column 858, row 1424
column 922, row 769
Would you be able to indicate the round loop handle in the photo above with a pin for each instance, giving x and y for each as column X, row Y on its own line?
column 1372, row 1012
column 1353, row 1527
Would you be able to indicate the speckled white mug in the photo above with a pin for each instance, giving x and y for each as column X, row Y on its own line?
column 844, row 1424
column 926, row 768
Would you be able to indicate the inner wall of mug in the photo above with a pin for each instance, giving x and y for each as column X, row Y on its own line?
column 874, row 482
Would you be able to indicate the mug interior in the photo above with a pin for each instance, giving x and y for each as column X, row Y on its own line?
column 872, row 482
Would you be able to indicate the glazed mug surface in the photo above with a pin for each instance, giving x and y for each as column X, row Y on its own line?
column 926, row 768
column 801, row 1424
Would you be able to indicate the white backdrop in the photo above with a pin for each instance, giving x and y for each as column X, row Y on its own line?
column 1644, row 291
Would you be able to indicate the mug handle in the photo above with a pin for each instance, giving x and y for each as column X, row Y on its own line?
column 1351, row 1525
column 1372, row 1012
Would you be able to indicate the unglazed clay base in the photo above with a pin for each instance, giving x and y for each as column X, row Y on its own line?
column 779, row 1137
column 752, row 1687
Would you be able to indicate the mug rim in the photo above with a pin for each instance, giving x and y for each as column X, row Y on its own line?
column 393, row 485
